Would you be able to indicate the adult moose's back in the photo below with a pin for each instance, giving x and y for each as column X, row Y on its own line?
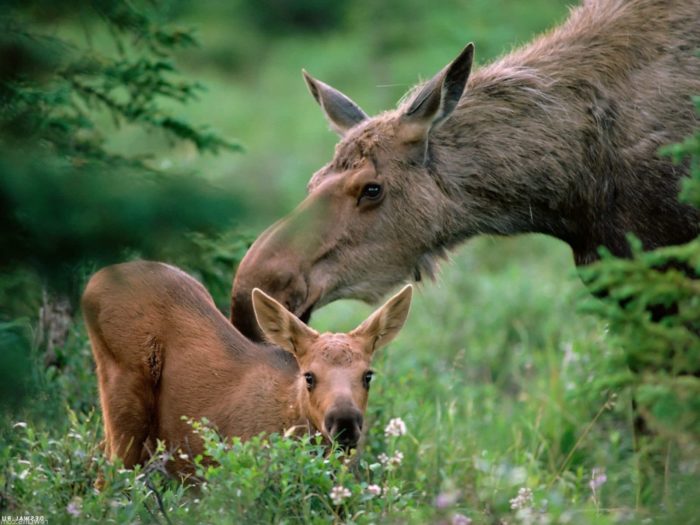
column 559, row 137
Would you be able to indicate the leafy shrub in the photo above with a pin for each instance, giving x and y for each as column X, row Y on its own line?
column 65, row 196
column 268, row 479
column 651, row 303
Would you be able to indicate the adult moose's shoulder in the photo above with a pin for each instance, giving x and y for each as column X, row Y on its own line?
column 559, row 137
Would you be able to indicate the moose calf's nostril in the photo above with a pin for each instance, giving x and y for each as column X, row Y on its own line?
column 345, row 427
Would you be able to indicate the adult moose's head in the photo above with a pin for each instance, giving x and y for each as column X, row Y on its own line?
column 373, row 216
column 559, row 137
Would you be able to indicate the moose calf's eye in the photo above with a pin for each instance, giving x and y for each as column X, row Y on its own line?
column 310, row 380
column 371, row 191
column 367, row 378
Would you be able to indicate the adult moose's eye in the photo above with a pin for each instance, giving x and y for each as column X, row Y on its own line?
column 370, row 192
column 310, row 380
column 367, row 378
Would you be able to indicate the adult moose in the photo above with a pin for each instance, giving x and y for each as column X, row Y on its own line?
column 164, row 351
column 559, row 137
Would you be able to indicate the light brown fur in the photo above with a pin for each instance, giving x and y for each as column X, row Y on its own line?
column 559, row 137
column 163, row 351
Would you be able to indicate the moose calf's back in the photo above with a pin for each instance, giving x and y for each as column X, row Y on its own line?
column 162, row 351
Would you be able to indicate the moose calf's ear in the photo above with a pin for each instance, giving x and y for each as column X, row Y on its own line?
column 341, row 112
column 385, row 323
column 280, row 326
column 437, row 99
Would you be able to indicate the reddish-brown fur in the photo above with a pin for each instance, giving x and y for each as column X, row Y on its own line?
column 164, row 351
column 560, row 137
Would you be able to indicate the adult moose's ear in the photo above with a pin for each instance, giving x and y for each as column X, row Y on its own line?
column 436, row 100
column 384, row 324
column 280, row 326
column 341, row 112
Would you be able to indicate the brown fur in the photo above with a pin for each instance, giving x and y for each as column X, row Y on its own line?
column 164, row 351
column 560, row 137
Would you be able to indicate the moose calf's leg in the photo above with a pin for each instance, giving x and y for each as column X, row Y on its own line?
column 128, row 405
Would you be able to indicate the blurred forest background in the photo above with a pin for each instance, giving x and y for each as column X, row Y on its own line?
column 178, row 131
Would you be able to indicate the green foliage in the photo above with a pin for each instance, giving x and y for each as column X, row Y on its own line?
column 285, row 16
column 65, row 196
column 14, row 361
column 211, row 258
column 277, row 479
column 651, row 303
column 689, row 151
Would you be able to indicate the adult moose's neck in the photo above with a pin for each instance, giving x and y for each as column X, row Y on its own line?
column 509, row 158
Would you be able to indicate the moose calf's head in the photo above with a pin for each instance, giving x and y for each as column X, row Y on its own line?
column 372, row 217
column 334, row 369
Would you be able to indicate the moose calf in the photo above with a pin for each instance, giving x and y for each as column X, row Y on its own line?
column 164, row 351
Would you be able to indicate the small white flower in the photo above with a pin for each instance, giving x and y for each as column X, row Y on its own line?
column 523, row 500
column 20, row 424
column 395, row 428
column 460, row 519
column 598, row 479
column 393, row 461
column 183, row 456
column 446, row 499
column 74, row 508
column 339, row 493
column 374, row 490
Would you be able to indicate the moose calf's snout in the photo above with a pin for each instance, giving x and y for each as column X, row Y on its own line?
column 345, row 426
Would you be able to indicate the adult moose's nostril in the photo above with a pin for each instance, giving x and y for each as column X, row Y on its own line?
column 345, row 427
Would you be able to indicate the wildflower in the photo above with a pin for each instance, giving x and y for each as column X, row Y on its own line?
column 598, row 479
column 393, row 461
column 523, row 500
column 74, row 508
column 460, row 519
column 374, row 490
column 20, row 424
column 338, row 494
column 395, row 428
column 446, row 499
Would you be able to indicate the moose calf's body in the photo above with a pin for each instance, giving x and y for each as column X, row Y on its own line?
column 164, row 351
column 559, row 137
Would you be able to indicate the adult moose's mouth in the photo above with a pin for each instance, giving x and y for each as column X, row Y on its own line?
column 305, row 316
column 313, row 297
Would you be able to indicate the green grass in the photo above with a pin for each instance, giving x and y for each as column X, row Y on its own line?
column 495, row 374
